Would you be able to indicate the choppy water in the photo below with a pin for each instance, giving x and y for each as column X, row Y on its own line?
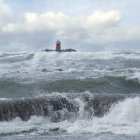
column 80, row 95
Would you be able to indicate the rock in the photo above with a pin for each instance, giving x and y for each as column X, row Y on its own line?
column 45, row 70
column 59, row 69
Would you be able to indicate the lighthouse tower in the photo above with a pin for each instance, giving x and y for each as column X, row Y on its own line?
column 58, row 45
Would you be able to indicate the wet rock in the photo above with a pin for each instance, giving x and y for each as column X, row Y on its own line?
column 59, row 69
column 45, row 70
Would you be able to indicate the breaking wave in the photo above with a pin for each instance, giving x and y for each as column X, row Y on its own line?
column 69, row 92
column 73, row 113
column 14, row 58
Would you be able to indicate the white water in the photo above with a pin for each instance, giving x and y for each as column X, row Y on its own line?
column 79, row 65
column 86, row 55
column 123, row 118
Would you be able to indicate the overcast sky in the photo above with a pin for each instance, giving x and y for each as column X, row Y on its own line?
column 85, row 25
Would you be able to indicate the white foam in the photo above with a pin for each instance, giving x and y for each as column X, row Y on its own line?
column 37, row 124
column 81, row 107
column 87, row 55
column 134, row 76
column 123, row 118
column 72, row 64
column 17, row 57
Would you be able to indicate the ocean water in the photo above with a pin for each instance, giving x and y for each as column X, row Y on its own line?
column 70, row 96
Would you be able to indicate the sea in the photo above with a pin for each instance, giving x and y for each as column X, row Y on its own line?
column 70, row 95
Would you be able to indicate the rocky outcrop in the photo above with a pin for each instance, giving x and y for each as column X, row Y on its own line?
column 66, row 50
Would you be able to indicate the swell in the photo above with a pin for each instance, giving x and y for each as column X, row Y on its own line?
column 7, row 58
column 76, row 56
column 102, row 85
column 87, row 55
column 52, row 106
column 106, row 84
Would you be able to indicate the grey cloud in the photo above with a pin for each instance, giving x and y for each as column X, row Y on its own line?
column 5, row 13
column 97, row 31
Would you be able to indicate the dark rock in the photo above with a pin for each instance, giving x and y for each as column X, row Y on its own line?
column 45, row 70
column 66, row 50
column 59, row 69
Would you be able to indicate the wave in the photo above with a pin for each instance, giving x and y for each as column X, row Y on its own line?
column 69, row 56
column 81, row 113
column 87, row 55
column 14, row 58
column 122, row 118
column 84, row 63
column 69, row 92
column 103, row 85
column 47, row 105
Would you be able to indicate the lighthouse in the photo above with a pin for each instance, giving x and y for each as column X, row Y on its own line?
column 58, row 45
column 58, row 48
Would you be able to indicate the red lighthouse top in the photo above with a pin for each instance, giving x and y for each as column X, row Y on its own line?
column 58, row 45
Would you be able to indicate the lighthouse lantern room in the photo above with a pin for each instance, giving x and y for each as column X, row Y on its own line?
column 58, row 45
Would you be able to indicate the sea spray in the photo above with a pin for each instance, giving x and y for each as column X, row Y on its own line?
column 79, row 94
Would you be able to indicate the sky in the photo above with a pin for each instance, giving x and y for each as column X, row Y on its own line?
column 84, row 25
